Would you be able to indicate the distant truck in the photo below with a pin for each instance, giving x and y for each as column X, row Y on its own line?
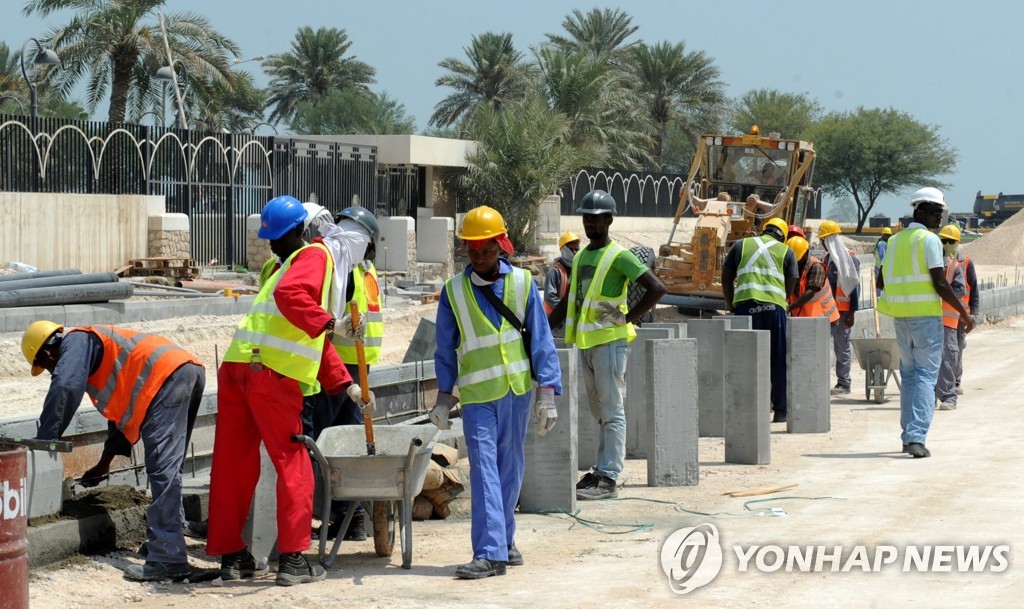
column 992, row 210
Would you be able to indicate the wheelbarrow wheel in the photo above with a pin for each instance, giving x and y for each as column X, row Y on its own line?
column 879, row 383
column 385, row 515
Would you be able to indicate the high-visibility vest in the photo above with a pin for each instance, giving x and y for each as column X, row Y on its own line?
column 760, row 275
column 284, row 348
column 492, row 361
column 584, row 328
column 267, row 270
column 366, row 295
column 950, row 316
column 842, row 298
column 965, row 263
column 878, row 256
column 909, row 291
column 821, row 304
column 563, row 285
column 133, row 369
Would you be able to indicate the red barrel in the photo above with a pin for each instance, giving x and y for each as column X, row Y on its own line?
column 13, row 525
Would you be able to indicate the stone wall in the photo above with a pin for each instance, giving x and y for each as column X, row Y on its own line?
column 257, row 251
column 169, row 236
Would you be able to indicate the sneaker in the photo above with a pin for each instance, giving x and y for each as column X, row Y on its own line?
column 918, row 451
column 294, row 569
column 241, row 565
column 959, row 391
column 515, row 557
column 779, row 417
column 589, row 480
column 604, row 489
column 480, row 568
column 840, row 390
column 157, row 571
column 947, row 405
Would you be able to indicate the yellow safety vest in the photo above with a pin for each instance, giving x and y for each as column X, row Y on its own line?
column 909, row 291
column 492, row 360
column 585, row 328
column 283, row 347
column 760, row 274
column 366, row 295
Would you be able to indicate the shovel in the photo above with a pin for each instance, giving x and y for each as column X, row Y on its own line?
column 53, row 446
column 364, row 384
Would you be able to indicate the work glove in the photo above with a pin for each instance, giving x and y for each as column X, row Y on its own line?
column 443, row 406
column 346, row 327
column 608, row 311
column 544, row 409
column 369, row 408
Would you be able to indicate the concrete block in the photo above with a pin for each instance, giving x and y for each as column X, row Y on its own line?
column 18, row 318
column 549, row 482
column 747, row 397
column 807, row 393
column 260, row 532
column 405, row 284
column 737, row 322
column 45, row 480
column 394, row 250
column 672, row 412
column 588, row 431
column 637, row 379
column 435, row 240
column 676, row 330
column 710, row 337
column 424, row 342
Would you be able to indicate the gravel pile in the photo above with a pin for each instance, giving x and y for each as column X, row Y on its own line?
column 1004, row 245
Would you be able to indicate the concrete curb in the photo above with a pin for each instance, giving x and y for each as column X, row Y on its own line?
column 60, row 540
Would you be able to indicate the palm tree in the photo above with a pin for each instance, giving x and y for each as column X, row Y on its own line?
column 790, row 114
column 116, row 45
column 10, row 71
column 219, row 107
column 315, row 66
column 678, row 87
column 495, row 74
column 599, row 33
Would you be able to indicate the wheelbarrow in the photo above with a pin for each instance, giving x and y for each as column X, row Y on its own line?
column 389, row 479
column 879, row 358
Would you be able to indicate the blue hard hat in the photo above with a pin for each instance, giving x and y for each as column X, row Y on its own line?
column 281, row 215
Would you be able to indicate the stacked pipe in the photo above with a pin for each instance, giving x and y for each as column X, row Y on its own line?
column 62, row 287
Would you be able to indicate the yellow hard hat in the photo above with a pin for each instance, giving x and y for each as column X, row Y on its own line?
column 950, row 231
column 799, row 246
column 828, row 228
column 37, row 335
column 482, row 223
column 567, row 237
column 779, row 224
column 886, row 231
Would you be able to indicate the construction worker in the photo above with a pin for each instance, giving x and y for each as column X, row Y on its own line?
column 147, row 388
column 598, row 322
column 279, row 354
column 758, row 275
column 324, row 410
column 556, row 282
column 844, row 277
column 795, row 231
column 812, row 296
column 971, row 300
column 880, row 247
column 945, row 385
column 490, row 357
column 914, row 288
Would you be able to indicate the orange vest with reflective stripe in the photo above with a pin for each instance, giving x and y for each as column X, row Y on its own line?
column 966, row 298
column 842, row 298
column 822, row 304
column 563, row 286
column 132, row 371
column 950, row 316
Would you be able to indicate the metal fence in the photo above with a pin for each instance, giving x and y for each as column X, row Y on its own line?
column 638, row 194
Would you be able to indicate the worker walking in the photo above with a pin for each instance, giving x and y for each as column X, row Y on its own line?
column 148, row 389
column 915, row 287
column 758, row 275
column 598, row 322
column 945, row 386
column 556, row 282
column 844, row 277
column 491, row 332
column 279, row 353
column 880, row 247
column 812, row 296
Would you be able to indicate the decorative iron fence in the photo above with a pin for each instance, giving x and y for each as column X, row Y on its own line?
column 638, row 194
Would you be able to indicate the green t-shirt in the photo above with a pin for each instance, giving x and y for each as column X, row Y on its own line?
column 625, row 267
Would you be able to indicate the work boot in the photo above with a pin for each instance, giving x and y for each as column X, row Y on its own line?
column 158, row 571
column 357, row 528
column 947, row 405
column 241, row 565
column 840, row 390
column 294, row 569
column 917, row 450
column 906, row 448
column 604, row 489
column 589, row 480
column 779, row 417
column 515, row 557
column 195, row 529
column 480, row 568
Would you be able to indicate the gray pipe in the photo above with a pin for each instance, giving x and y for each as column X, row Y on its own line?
column 157, row 294
column 39, row 275
column 46, row 282
column 65, row 295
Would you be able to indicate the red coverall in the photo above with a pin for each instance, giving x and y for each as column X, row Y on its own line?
column 254, row 405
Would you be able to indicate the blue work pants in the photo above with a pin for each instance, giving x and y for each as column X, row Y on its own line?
column 920, row 343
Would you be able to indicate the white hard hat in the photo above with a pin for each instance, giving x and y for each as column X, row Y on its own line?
column 927, row 195
column 316, row 215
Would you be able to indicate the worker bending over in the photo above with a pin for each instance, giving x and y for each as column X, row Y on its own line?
column 813, row 295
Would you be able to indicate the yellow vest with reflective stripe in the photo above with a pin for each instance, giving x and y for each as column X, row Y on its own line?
column 366, row 295
column 584, row 328
column 283, row 347
column 760, row 273
column 492, row 360
column 909, row 291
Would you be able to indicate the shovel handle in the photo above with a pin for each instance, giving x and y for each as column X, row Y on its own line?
column 364, row 384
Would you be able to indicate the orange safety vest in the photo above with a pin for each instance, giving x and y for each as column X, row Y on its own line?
column 822, row 304
column 563, row 286
column 950, row 316
column 966, row 298
column 842, row 298
column 132, row 371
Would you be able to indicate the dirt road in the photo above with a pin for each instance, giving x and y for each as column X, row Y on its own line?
column 866, row 493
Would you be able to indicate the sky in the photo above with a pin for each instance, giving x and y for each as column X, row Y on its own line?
column 956, row 65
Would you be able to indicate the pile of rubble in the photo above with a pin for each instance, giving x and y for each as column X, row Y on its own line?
column 1004, row 245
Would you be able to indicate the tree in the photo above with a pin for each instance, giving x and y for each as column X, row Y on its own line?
column 315, row 66
column 790, row 114
column 600, row 33
column 352, row 111
column 10, row 71
column 495, row 75
column 844, row 210
column 870, row 152
column 216, row 106
column 116, row 45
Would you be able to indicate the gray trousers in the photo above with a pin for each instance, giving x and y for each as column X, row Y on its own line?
column 165, row 434
column 961, row 338
column 843, row 350
column 945, row 385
